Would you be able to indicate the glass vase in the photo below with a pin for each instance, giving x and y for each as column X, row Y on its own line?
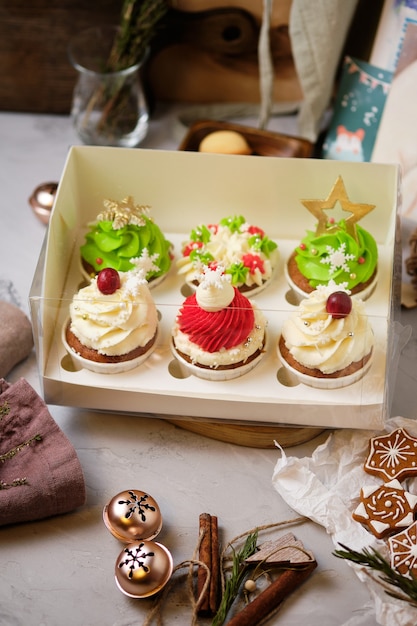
column 108, row 108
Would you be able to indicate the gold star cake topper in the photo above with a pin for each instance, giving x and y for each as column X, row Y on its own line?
column 123, row 212
column 338, row 194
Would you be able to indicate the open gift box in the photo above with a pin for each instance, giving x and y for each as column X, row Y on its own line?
column 185, row 189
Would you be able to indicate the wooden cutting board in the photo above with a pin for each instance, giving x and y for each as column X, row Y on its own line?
column 249, row 435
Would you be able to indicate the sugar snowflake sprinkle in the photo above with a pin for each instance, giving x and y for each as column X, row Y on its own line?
column 146, row 262
column 214, row 277
column 338, row 258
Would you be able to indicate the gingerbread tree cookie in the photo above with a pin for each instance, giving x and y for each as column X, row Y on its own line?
column 386, row 509
column 403, row 548
column 392, row 456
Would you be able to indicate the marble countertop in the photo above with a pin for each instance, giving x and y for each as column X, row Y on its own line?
column 60, row 570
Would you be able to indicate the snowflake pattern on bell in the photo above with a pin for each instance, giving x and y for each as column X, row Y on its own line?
column 393, row 455
column 136, row 558
column 137, row 503
column 403, row 550
column 337, row 258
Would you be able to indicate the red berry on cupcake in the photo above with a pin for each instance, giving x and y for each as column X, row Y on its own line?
column 108, row 281
column 339, row 304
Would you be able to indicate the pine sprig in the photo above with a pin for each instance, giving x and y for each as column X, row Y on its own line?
column 372, row 559
column 139, row 20
column 138, row 23
column 236, row 577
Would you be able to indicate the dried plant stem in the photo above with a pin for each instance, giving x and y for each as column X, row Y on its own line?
column 139, row 20
column 370, row 558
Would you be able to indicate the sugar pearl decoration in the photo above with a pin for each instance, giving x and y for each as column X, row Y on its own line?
column 132, row 515
column 250, row 585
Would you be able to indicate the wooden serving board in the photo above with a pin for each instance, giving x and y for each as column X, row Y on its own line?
column 249, row 435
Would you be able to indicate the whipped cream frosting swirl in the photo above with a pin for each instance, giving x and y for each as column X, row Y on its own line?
column 214, row 295
column 118, row 323
column 214, row 331
column 317, row 340
column 247, row 255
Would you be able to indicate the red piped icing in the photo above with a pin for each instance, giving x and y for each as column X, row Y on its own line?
column 213, row 331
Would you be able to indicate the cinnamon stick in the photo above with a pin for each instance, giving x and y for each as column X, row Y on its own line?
column 205, row 557
column 209, row 554
column 215, row 566
column 269, row 600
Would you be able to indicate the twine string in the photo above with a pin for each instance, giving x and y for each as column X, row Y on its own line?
column 224, row 557
column 155, row 613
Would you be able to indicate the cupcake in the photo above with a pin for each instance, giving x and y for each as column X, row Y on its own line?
column 339, row 252
column 113, row 322
column 244, row 252
column 121, row 232
column 218, row 333
column 328, row 341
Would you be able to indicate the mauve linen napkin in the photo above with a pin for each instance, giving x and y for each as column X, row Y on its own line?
column 40, row 474
column 16, row 340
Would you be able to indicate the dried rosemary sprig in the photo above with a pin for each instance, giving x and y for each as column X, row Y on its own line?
column 11, row 453
column 112, row 99
column 236, row 577
column 17, row 482
column 138, row 22
column 372, row 559
column 4, row 409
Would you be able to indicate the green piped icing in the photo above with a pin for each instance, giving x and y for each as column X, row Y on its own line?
column 108, row 247
column 314, row 254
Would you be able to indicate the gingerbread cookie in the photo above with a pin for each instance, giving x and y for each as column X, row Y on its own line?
column 403, row 548
column 392, row 456
column 386, row 509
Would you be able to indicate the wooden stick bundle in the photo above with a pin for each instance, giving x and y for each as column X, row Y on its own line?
column 268, row 601
column 209, row 554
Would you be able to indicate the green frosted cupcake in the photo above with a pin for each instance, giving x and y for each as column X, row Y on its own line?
column 336, row 256
column 340, row 252
column 121, row 232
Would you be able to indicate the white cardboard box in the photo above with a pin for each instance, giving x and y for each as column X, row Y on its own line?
column 185, row 189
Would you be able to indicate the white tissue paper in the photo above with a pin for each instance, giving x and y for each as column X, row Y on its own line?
column 326, row 489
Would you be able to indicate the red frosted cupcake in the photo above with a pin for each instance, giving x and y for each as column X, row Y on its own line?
column 219, row 334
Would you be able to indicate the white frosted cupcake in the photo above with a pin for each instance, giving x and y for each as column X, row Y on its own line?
column 113, row 322
column 218, row 334
column 242, row 249
column 328, row 342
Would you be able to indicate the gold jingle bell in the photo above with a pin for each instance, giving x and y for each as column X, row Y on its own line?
column 132, row 515
column 143, row 568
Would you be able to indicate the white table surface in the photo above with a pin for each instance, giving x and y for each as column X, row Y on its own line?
column 60, row 570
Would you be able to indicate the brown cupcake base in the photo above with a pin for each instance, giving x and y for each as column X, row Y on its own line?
column 302, row 282
column 230, row 366
column 93, row 355
column 315, row 372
